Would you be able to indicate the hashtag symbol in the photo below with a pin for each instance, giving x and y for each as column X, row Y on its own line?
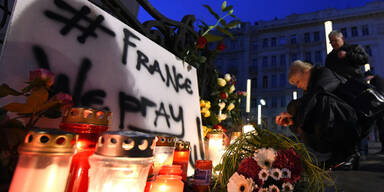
column 73, row 23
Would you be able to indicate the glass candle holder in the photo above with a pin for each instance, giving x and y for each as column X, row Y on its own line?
column 44, row 161
column 202, row 177
column 216, row 147
column 121, row 162
column 181, row 157
column 165, row 147
column 88, row 124
column 167, row 183
column 171, row 170
column 234, row 136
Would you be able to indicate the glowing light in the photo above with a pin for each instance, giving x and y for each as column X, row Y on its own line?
column 248, row 128
column 328, row 29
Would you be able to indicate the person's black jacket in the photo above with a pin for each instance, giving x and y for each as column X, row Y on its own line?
column 349, row 66
column 328, row 123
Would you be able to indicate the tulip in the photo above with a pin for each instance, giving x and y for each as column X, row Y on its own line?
column 223, row 95
column 42, row 75
column 221, row 82
column 221, row 117
column 227, row 77
column 221, row 105
column 230, row 107
column 232, row 89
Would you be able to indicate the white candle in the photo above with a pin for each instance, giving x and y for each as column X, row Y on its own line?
column 51, row 176
column 215, row 148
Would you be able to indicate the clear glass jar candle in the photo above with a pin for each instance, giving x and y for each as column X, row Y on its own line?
column 121, row 162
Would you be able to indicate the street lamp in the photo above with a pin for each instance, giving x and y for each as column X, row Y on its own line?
column 294, row 95
column 261, row 103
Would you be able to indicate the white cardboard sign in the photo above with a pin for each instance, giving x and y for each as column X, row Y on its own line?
column 104, row 63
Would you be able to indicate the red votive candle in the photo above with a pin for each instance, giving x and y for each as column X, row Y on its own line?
column 181, row 157
column 88, row 124
column 202, row 177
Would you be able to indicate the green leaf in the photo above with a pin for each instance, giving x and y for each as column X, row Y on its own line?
column 223, row 22
column 230, row 12
column 37, row 98
column 233, row 24
column 18, row 108
column 5, row 90
column 228, row 8
column 213, row 38
column 222, row 30
column 224, row 5
column 205, row 24
column 212, row 12
column 202, row 59
column 211, row 27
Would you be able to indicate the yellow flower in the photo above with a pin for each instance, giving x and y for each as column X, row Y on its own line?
column 208, row 104
column 227, row 77
column 207, row 113
column 202, row 103
column 206, row 130
column 232, row 89
column 221, row 82
column 230, row 107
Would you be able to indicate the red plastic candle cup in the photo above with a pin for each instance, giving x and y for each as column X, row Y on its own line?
column 181, row 157
column 88, row 124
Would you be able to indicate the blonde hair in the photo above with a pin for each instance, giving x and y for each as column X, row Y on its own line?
column 298, row 66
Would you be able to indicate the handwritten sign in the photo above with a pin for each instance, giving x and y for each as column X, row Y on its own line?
column 104, row 63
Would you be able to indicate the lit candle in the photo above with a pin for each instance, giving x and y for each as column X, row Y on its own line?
column 163, row 154
column 88, row 124
column 121, row 162
column 181, row 157
column 234, row 136
column 44, row 161
column 167, row 183
column 216, row 147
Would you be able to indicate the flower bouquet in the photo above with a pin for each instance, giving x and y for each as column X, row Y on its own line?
column 223, row 107
column 263, row 161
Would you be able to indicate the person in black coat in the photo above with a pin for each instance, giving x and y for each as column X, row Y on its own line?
column 345, row 59
column 378, row 82
column 323, row 121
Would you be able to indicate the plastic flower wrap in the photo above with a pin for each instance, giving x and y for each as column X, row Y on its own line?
column 272, row 162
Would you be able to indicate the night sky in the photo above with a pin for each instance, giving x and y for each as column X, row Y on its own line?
column 246, row 10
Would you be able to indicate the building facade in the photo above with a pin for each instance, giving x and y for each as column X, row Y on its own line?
column 263, row 51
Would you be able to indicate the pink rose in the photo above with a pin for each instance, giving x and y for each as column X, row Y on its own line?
column 64, row 99
column 42, row 75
